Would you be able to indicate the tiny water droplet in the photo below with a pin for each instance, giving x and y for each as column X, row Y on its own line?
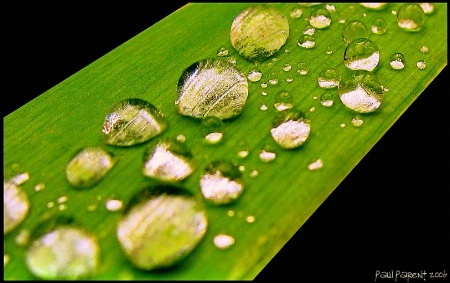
column 421, row 65
column 397, row 61
column 168, row 160
column 39, row 187
column 263, row 84
column 267, row 156
column 318, row 164
column 181, row 138
column 286, row 50
column 254, row 75
column 329, row 78
column 320, row 18
column 211, row 87
column 50, row 204
column 222, row 51
column 113, row 204
column 221, row 182
column 329, row 51
column 273, row 80
column 379, row 26
column 290, row 129
column 264, row 93
column 212, row 128
column 289, row 80
column 6, row 259
column 394, row 12
column 306, row 41
column 62, row 199
column 354, row 29
column 23, row 237
column 342, row 125
column 16, row 206
column 331, row 8
column 287, row 67
column 133, row 121
column 250, row 32
column 410, row 17
column 250, row 219
column 326, row 99
column 374, row 6
column 428, row 8
column 62, row 207
column 242, row 168
column 303, row 68
column 223, row 241
column 161, row 225
column 309, row 30
column 361, row 54
column 230, row 213
column 357, row 121
column 283, row 101
column 263, row 107
column 312, row 109
column 88, row 167
column 424, row 49
column 296, row 13
column 254, row 173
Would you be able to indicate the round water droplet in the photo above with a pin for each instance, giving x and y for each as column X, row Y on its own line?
column 410, row 17
column 16, row 206
column 283, row 101
column 222, row 52
column 133, row 121
column 309, row 30
column 161, row 225
column 39, row 187
column 331, row 8
column 223, row 241
column 374, row 6
column 326, row 99
column 6, row 259
column 362, row 54
column 168, row 160
column 329, row 51
column 65, row 253
column 254, row 75
column 397, row 61
column 290, row 129
column 221, row 182
column 306, row 41
column 421, row 65
column 254, row 173
column 265, row 156
column 113, row 205
column 212, row 128
column 88, row 167
column 263, row 84
column 287, row 67
column 273, row 80
column 211, row 87
column 424, row 49
column 296, row 13
column 379, row 26
column 22, row 238
column 357, row 121
column 428, row 8
column 263, row 107
column 353, row 30
column 250, row 219
column 362, row 92
column 258, row 32
column 303, row 68
column 181, row 138
column 320, row 17
column 316, row 165
column 329, row 78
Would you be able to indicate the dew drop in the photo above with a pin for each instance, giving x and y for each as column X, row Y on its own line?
column 211, row 87
column 263, row 84
column 263, row 107
column 421, row 65
column 254, row 173
column 88, row 167
column 113, row 204
column 329, row 51
column 168, row 160
column 243, row 150
column 223, row 241
column 181, row 138
column 353, row 30
column 264, row 93
column 133, row 121
column 22, row 238
column 342, row 125
column 424, row 49
column 287, row 67
column 161, row 225
column 16, row 206
column 331, row 8
column 283, row 101
column 242, row 168
column 39, row 187
column 318, row 164
column 379, row 26
column 306, row 41
column 250, row 219
column 309, row 30
column 65, row 253
column 428, row 8
column 394, row 12
column 320, row 18
column 254, row 75
column 221, row 182
column 222, row 52
column 362, row 92
column 326, row 99
column 357, row 121
column 6, row 259
column 296, row 13
column 312, row 109
column 397, row 61
column 374, row 6
column 303, row 68
column 62, row 207
column 250, row 30
column 329, row 78
column 267, row 156
column 273, row 80
column 362, row 54
column 212, row 128
column 289, row 80
column 410, row 17
column 290, row 129
column 50, row 204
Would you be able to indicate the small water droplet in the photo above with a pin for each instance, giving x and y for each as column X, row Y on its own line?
column 354, row 29
column 329, row 51
column 132, row 121
column 263, row 84
column 242, row 168
column 212, row 129
column 22, row 237
column 222, row 52
column 421, row 65
column 161, row 225
column 296, row 13
column 6, row 259
column 254, row 173
column 379, row 26
column 62, row 207
column 267, row 156
column 410, row 17
column 223, row 241
column 243, row 150
column 397, row 61
column 113, row 204
column 424, row 49
column 318, row 164
column 221, row 182
column 39, row 187
column 309, row 30
column 320, row 18
column 243, row 153
column 357, row 121
column 181, row 138
column 273, row 80
column 394, row 12
column 290, row 129
column 250, row 30
column 312, row 109
column 306, row 41
column 168, row 160
column 428, row 8
column 331, row 8
column 286, row 50
column 211, row 87
column 287, row 67
column 50, row 204
column 66, row 253
column 230, row 213
column 374, row 6
column 362, row 54
column 264, row 93
column 342, row 125
column 16, row 206
column 254, row 75
column 62, row 199
column 263, row 107
column 289, row 80
column 250, row 219
column 329, row 78
column 326, row 99
column 88, row 167
column 303, row 68
column 283, row 101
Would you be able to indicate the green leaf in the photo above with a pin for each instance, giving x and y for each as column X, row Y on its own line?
column 43, row 135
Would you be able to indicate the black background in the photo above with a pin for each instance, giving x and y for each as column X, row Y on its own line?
column 390, row 213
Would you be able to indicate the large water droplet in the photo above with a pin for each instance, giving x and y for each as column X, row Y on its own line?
column 161, row 225
column 362, row 54
column 410, row 17
column 221, row 182
column 133, row 121
column 15, row 206
column 362, row 92
column 211, row 87
column 212, row 128
column 397, row 61
column 258, row 32
column 329, row 78
column 290, row 128
column 378, row 26
column 168, row 160
column 320, row 17
column 353, row 30
column 65, row 253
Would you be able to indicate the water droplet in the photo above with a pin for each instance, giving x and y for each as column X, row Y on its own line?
column 362, row 92
column 258, row 32
column 374, row 6
column 264, row 93
column 230, row 213
column 289, row 80
column 353, row 30
column 357, row 121
column 16, row 206
column 318, row 164
column 290, row 129
column 113, row 204
column 88, row 166
column 273, row 80
column 329, row 51
column 394, row 12
column 309, row 30
column 329, row 78
column 320, row 18
column 221, row 182
column 211, row 87
column 263, row 107
column 312, row 109
column 421, row 64
column 296, row 13
column 428, row 8
column 410, row 17
column 397, row 61
column 254, row 173
column 133, row 121
column 22, row 238
column 39, row 187
column 379, row 26
column 19, row 179
column 254, row 75
column 242, row 168
column 222, row 52
column 50, row 204
column 326, row 99
column 181, row 138
column 267, row 156
column 306, row 41
column 263, row 84
column 283, row 101
column 331, row 8
column 161, row 225
column 65, row 253
column 303, row 68
column 250, row 219
column 342, row 125
column 168, row 160
column 362, row 54
column 62, row 207
column 243, row 150
column 287, row 67
column 223, row 241
column 62, row 199
column 6, row 259
column 212, row 128
column 424, row 49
